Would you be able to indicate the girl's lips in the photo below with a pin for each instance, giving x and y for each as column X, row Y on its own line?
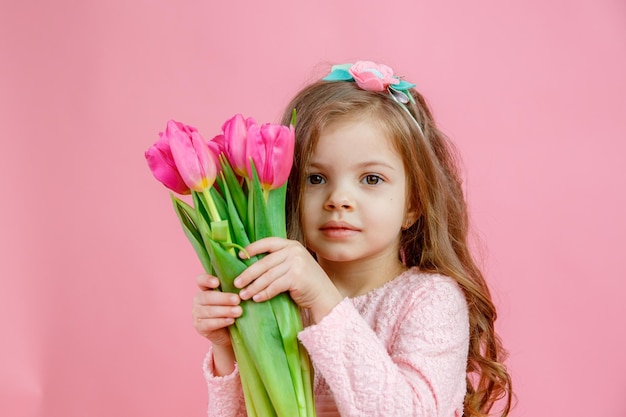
column 335, row 229
column 337, row 225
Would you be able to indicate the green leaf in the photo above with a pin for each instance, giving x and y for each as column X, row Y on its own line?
column 226, row 265
column 220, row 231
column 200, row 206
column 187, row 216
column 293, row 118
column 235, row 190
column 240, row 236
column 218, row 199
column 250, row 226
column 262, row 226
column 259, row 329
column 306, row 368
column 276, row 211
column 258, row 403
column 290, row 324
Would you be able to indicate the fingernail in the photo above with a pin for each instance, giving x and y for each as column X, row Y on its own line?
column 237, row 282
column 236, row 310
column 243, row 294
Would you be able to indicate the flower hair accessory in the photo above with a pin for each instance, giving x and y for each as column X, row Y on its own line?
column 370, row 76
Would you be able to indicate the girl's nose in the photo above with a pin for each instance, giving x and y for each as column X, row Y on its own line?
column 339, row 200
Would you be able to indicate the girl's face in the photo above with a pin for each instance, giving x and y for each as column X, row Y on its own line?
column 355, row 195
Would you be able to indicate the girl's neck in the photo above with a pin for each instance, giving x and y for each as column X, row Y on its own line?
column 360, row 277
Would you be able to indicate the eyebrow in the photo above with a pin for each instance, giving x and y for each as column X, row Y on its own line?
column 362, row 165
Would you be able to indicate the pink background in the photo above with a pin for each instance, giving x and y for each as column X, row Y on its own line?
column 96, row 277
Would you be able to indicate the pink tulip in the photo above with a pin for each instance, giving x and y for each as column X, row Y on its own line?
column 194, row 160
column 236, row 142
column 161, row 163
column 271, row 149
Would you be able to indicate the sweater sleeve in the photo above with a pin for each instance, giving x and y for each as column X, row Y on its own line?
column 421, row 371
column 225, row 392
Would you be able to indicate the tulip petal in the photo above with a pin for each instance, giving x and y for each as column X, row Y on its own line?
column 194, row 160
column 235, row 132
column 163, row 167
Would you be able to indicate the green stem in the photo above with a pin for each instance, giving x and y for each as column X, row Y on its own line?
column 213, row 213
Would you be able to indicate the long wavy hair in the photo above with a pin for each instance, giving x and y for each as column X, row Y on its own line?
column 438, row 240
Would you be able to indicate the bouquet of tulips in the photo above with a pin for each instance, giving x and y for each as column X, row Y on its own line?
column 237, row 183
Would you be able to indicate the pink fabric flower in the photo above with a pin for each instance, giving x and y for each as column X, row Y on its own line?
column 371, row 76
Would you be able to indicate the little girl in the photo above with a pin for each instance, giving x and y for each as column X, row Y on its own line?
column 401, row 322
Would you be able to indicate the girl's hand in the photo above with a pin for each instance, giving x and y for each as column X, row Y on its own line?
column 213, row 311
column 288, row 266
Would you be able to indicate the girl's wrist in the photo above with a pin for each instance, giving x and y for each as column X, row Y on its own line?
column 223, row 360
column 322, row 308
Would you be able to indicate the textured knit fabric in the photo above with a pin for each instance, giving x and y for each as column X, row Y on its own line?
column 399, row 350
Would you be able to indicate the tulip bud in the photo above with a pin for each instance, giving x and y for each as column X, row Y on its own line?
column 217, row 145
column 236, row 142
column 272, row 154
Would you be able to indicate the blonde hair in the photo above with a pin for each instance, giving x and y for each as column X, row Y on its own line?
column 438, row 240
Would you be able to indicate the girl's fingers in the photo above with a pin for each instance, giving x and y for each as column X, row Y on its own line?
column 268, row 284
column 211, row 320
column 261, row 269
column 216, row 312
column 214, row 329
column 265, row 245
column 271, row 291
column 216, row 298
column 207, row 282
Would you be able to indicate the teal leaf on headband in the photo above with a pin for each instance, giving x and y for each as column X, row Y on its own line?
column 402, row 86
column 339, row 73
column 345, row 67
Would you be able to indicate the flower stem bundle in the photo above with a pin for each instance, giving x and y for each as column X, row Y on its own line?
column 233, row 205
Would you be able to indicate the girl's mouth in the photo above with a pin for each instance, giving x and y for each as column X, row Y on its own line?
column 334, row 229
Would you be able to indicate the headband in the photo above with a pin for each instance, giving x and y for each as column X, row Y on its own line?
column 370, row 76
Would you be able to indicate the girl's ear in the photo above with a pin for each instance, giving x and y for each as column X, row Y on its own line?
column 410, row 218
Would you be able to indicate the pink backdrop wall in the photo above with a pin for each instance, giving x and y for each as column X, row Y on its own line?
column 96, row 278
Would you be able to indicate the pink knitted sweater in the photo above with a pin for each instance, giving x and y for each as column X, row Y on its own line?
column 399, row 350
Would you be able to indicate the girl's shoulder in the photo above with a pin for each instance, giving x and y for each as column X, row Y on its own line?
column 431, row 305
column 413, row 289
column 430, row 283
column 414, row 283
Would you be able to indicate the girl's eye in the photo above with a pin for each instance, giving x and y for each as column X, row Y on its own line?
column 372, row 179
column 315, row 179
